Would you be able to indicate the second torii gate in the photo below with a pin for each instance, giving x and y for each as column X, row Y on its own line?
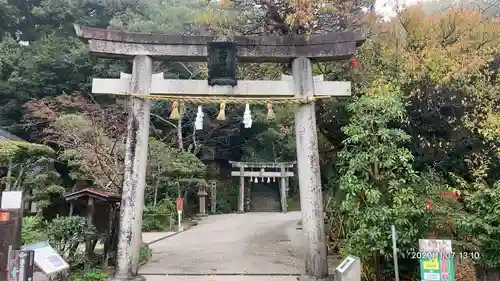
column 283, row 174
column 142, row 48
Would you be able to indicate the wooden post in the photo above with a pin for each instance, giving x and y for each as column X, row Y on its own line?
column 287, row 187
column 283, row 189
column 109, row 233
column 213, row 197
column 10, row 237
column 202, row 196
column 70, row 208
column 241, row 203
column 378, row 266
column 311, row 200
column 132, row 204
column 89, row 249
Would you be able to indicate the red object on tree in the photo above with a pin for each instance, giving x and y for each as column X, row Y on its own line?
column 429, row 204
column 355, row 63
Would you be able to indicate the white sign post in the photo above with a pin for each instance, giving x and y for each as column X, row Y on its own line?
column 180, row 208
column 179, row 220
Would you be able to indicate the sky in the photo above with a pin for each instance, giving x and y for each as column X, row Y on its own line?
column 387, row 8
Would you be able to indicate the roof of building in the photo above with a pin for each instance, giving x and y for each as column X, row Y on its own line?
column 94, row 193
column 4, row 135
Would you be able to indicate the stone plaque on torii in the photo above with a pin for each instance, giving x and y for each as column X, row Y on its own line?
column 143, row 48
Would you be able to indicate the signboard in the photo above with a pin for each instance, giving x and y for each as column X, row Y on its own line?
column 180, row 204
column 436, row 260
column 46, row 258
column 12, row 200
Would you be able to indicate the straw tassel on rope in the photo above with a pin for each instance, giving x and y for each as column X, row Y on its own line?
column 270, row 111
column 175, row 115
column 222, row 112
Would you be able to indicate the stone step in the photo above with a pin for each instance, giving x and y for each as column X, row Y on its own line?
column 267, row 207
column 265, row 201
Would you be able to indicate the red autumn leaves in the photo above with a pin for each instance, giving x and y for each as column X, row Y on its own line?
column 449, row 194
column 355, row 63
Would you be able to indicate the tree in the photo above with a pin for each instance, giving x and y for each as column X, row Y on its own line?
column 285, row 17
column 378, row 185
column 444, row 67
column 481, row 224
column 30, row 169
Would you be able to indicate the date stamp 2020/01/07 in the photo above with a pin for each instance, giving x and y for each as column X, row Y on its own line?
column 444, row 255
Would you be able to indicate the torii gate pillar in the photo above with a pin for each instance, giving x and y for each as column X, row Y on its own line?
column 132, row 204
column 311, row 200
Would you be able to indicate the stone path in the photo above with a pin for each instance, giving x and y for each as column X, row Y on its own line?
column 235, row 244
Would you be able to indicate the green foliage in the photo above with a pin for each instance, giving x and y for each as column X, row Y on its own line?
column 173, row 162
column 378, row 184
column 32, row 231
column 92, row 275
column 31, row 169
column 66, row 234
column 17, row 150
column 481, row 224
column 145, row 253
column 227, row 197
column 160, row 217
column 273, row 140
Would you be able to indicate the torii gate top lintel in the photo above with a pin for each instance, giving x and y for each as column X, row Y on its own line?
column 262, row 164
column 119, row 44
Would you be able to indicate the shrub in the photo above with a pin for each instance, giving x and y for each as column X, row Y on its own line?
column 159, row 217
column 31, row 230
column 66, row 234
column 92, row 275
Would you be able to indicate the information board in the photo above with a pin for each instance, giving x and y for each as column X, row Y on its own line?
column 46, row 258
column 12, row 200
column 436, row 260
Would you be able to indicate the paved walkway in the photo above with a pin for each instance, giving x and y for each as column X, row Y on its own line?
column 154, row 237
column 233, row 244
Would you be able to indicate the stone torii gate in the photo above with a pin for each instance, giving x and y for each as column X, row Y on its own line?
column 143, row 48
column 246, row 170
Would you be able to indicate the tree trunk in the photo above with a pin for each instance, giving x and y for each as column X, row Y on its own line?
column 9, row 175
column 179, row 128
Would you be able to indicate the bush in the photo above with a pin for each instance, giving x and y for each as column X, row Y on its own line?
column 66, row 234
column 152, row 222
column 145, row 253
column 227, row 197
column 92, row 275
column 31, row 230
column 159, row 217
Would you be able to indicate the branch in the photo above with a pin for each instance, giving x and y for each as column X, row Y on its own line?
column 164, row 120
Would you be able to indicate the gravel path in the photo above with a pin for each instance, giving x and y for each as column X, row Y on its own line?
column 252, row 243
